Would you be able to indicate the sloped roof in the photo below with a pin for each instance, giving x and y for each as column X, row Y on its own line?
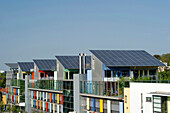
column 72, row 62
column 45, row 64
column 126, row 58
column 12, row 65
column 26, row 66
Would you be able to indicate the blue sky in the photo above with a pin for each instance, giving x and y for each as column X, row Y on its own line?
column 45, row 28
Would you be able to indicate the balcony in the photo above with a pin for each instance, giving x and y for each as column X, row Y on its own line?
column 104, row 88
column 46, row 84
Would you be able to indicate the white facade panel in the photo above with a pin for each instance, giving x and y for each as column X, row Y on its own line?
column 145, row 89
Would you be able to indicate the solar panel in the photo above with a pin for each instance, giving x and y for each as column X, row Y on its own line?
column 45, row 64
column 12, row 65
column 26, row 66
column 126, row 58
column 72, row 62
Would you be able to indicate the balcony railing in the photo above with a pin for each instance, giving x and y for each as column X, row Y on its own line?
column 103, row 88
column 46, row 84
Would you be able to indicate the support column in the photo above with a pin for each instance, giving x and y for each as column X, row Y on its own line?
column 148, row 73
column 157, row 74
column 116, row 74
column 77, row 101
column 108, row 106
column 143, row 73
column 68, row 75
column 138, row 73
column 27, row 97
column 120, row 73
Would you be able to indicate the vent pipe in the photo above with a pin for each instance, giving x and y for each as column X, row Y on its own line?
column 84, row 63
column 80, row 55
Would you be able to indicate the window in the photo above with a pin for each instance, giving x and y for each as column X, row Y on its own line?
column 93, row 63
column 152, row 72
column 108, row 73
column 24, row 76
column 118, row 73
column 71, row 75
column 66, row 75
column 125, row 73
column 148, row 99
column 125, row 98
column 141, row 101
column 42, row 75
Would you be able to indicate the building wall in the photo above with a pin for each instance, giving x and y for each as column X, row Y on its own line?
column 20, row 73
column 126, row 100
column 97, row 71
column 60, row 71
column 4, row 99
column 36, row 72
column 144, row 89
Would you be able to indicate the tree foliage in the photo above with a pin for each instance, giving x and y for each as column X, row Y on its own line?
column 164, row 58
column 164, row 75
column 157, row 56
column 13, row 109
column 2, row 105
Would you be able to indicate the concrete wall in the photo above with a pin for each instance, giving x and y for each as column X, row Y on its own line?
column 126, row 100
column 136, row 89
column 20, row 73
column 97, row 71
column 36, row 72
column 60, row 71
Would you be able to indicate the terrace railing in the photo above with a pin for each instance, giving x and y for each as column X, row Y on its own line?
column 46, row 84
column 102, row 88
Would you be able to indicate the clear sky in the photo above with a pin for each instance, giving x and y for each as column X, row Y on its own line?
column 45, row 28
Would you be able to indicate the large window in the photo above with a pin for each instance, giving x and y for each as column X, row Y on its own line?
column 125, row 73
column 152, row 72
column 159, row 104
column 41, row 75
column 108, row 73
column 125, row 98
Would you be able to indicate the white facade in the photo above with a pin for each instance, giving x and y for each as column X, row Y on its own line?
column 143, row 90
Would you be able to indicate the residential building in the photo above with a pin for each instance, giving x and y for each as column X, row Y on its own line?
column 44, row 69
column 148, row 97
column 84, row 84
column 15, row 92
column 12, row 73
column 103, row 92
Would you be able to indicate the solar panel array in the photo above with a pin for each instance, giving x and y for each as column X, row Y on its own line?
column 26, row 66
column 72, row 62
column 45, row 64
column 126, row 58
column 12, row 65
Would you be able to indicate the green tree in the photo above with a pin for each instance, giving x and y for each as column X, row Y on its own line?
column 13, row 109
column 164, row 75
column 9, row 108
column 157, row 56
column 166, row 58
column 18, row 110
column 2, row 105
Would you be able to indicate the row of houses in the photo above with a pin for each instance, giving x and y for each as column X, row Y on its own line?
column 100, row 82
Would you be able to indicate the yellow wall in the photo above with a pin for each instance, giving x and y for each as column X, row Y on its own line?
column 127, row 104
column 4, row 98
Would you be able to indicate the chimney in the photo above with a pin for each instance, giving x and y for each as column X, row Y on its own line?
column 80, row 55
column 84, row 63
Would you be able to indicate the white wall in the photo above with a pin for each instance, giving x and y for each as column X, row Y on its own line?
column 145, row 88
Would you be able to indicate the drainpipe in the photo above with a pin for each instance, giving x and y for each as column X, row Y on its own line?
column 80, row 55
column 84, row 63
